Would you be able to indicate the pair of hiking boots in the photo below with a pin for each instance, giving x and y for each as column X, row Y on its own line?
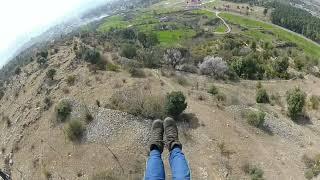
column 167, row 127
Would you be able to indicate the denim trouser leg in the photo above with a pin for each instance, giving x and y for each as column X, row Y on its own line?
column 179, row 166
column 155, row 168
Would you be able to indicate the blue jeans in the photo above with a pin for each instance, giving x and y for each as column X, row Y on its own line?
column 178, row 163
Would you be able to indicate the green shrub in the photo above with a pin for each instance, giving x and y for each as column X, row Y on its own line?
column 259, row 85
column 70, row 80
column 87, row 115
column 137, row 72
column 262, row 96
column 221, row 97
column 129, row 51
column 256, row 119
column 299, row 63
column 17, row 71
column 254, row 172
column 128, row 100
column 75, row 130
column 148, row 40
column 281, row 65
column 313, row 166
column 41, row 60
column 43, row 54
column 91, row 55
column 63, row 110
column 248, row 67
column 181, row 80
column 51, row 73
column 213, row 90
column 112, row 67
column 314, row 102
column 276, row 99
column 153, row 107
column 175, row 103
column 47, row 103
column 150, row 58
column 296, row 101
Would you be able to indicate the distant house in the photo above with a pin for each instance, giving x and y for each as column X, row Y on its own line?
column 193, row 3
column 164, row 19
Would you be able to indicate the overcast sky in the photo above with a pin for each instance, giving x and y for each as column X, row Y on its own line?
column 22, row 19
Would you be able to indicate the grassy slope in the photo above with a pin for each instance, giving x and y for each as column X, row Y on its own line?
column 309, row 47
column 113, row 22
column 221, row 28
column 146, row 22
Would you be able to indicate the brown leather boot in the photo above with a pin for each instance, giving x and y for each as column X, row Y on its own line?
column 171, row 133
column 156, row 140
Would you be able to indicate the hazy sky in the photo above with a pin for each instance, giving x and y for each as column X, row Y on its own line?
column 22, row 19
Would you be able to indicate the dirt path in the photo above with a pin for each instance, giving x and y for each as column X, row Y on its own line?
column 224, row 22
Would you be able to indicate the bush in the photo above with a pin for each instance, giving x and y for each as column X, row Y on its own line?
column 70, row 80
column 299, row 63
column 314, row 102
column 221, row 97
column 256, row 119
column 296, row 101
column 213, row 90
column 51, row 73
column 262, row 96
column 254, row 172
column 214, row 66
column 181, row 80
column 188, row 68
column 112, row 67
column 129, row 100
column 153, row 107
column 175, row 103
column 259, row 85
column 75, row 130
column 47, row 103
column 150, row 58
column 43, row 54
column 174, row 57
column 41, row 60
column 63, row 110
column 129, row 51
column 148, row 40
column 281, row 65
column 248, row 67
column 313, row 166
column 17, row 71
column 91, row 55
column 137, row 72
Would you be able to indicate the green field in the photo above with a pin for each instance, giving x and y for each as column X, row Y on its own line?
column 221, row 28
column 174, row 36
column 253, row 26
column 147, row 22
column 113, row 22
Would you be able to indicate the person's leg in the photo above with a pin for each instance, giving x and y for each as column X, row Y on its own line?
column 177, row 160
column 155, row 167
column 179, row 165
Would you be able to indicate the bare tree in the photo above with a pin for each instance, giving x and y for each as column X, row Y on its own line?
column 174, row 57
column 213, row 66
